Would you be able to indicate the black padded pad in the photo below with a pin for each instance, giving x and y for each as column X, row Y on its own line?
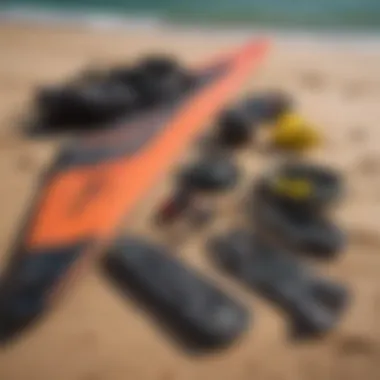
column 266, row 107
column 235, row 127
column 302, row 231
column 214, row 172
column 313, row 304
column 192, row 305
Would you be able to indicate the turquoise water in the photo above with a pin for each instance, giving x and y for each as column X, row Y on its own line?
column 314, row 14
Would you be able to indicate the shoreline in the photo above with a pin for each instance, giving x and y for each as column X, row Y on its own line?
column 101, row 21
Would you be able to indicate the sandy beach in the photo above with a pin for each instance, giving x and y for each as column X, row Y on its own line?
column 94, row 334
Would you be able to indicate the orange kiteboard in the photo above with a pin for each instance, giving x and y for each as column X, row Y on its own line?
column 98, row 179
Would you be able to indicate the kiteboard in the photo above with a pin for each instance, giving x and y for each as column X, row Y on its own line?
column 98, row 179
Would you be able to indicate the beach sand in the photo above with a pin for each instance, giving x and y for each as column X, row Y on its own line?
column 93, row 333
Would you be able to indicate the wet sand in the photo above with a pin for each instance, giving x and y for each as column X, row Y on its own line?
column 94, row 334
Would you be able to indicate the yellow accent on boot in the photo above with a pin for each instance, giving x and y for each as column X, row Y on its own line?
column 291, row 132
column 293, row 188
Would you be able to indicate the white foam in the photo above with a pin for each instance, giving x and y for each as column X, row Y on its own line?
column 96, row 20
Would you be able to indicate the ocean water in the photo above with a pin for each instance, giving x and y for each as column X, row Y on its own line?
column 353, row 15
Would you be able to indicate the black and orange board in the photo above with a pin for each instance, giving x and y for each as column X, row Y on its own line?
column 98, row 179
